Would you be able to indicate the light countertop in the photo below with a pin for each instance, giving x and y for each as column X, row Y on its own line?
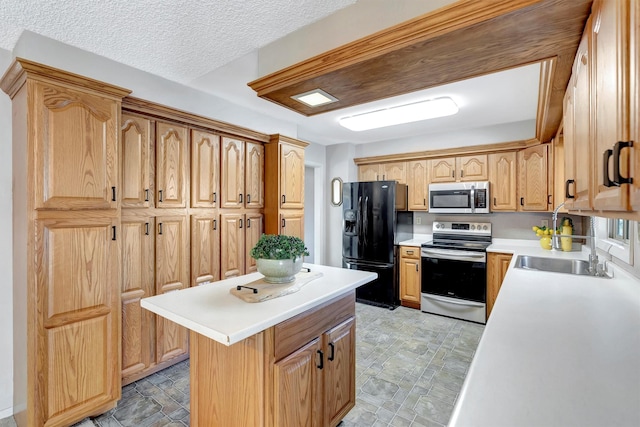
column 417, row 240
column 558, row 350
column 212, row 311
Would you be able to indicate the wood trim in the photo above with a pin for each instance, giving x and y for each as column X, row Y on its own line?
column 21, row 68
column 460, row 14
column 276, row 138
column 150, row 109
column 448, row 152
column 547, row 74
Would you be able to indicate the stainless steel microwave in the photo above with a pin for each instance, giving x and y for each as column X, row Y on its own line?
column 459, row 197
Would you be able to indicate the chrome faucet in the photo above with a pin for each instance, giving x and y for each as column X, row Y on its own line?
column 595, row 268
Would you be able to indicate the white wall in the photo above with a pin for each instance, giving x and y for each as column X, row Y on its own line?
column 309, row 213
column 340, row 164
column 6, row 281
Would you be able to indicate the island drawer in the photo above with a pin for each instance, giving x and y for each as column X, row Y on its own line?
column 292, row 334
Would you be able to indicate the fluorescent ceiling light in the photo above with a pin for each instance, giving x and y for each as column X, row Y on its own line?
column 423, row 110
column 315, row 98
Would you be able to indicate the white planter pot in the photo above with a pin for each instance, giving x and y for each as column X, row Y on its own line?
column 279, row 270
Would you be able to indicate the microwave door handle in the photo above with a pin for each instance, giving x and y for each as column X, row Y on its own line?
column 473, row 199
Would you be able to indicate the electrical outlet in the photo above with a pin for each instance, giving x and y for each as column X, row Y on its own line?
column 544, row 223
column 418, row 220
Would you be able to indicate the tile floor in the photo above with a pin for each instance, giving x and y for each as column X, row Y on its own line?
column 409, row 370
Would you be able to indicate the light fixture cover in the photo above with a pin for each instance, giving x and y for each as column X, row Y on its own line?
column 315, row 98
column 422, row 110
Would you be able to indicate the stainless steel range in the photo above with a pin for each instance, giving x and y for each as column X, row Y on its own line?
column 454, row 270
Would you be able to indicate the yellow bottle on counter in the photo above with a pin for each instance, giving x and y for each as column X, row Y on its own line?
column 566, row 242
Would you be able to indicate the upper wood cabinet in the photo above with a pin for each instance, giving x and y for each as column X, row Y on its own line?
column 205, row 169
column 171, row 165
column 418, row 185
column 463, row 168
column 242, row 174
column 284, row 171
column 533, row 183
column 291, row 176
column 634, row 86
column 578, row 146
column 137, row 151
column 390, row 171
column 76, row 140
column 611, row 112
column 503, row 179
column 497, row 266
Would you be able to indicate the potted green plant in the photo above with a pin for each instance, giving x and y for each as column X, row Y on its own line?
column 279, row 257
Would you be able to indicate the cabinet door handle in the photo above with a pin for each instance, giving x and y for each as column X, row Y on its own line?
column 521, row 201
column 215, row 224
column 461, row 174
column 146, row 194
column 453, row 174
column 248, row 198
column 160, row 198
column 146, row 228
column 240, row 197
column 617, row 179
column 332, row 354
column 113, row 194
column 240, row 223
column 320, row 359
column 494, row 202
column 113, row 232
column 160, row 228
column 214, row 197
column 424, row 202
column 283, row 223
column 248, row 222
column 284, row 199
column 549, row 199
column 566, row 189
column 605, row 168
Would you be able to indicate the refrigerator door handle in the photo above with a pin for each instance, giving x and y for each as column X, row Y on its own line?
column 359, row 225
column 366, row 220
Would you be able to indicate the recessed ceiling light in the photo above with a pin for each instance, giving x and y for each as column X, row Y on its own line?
column 315, row 98
column 423, row 110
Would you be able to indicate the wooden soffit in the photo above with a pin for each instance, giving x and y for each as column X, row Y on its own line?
column 466, row 39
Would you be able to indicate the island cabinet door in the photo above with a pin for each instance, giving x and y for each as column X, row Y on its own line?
column 298, row 387
column 339, row 373
column 172, row 274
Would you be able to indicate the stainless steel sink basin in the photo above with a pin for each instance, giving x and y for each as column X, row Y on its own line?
column 567, row 266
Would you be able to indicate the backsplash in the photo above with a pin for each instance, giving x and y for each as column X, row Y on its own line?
column 504, row 225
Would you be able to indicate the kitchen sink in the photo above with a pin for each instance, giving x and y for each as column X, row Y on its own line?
column 554, row 265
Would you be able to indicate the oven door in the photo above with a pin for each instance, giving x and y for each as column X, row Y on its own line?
column 454, row 283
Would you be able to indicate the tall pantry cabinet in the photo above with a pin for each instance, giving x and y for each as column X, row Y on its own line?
column 155, row 240
column 66, row 245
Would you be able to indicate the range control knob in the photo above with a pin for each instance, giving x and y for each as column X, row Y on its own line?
column 473, row 227
column 484, row 227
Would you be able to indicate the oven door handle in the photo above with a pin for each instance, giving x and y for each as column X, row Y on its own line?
column 468, row 256
column 457, row 302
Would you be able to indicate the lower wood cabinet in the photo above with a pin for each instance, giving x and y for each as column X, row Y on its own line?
column 155, row 261
column 292, row 223
column 300, row 372
column 410, row 276
column 497, row 266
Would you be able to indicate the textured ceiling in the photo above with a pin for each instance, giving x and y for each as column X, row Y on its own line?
column 177, row 39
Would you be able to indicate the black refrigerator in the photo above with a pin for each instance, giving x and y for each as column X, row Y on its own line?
column 374, row 221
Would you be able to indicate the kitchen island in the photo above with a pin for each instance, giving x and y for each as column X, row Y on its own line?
column 288, row 361
column 558, row 350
